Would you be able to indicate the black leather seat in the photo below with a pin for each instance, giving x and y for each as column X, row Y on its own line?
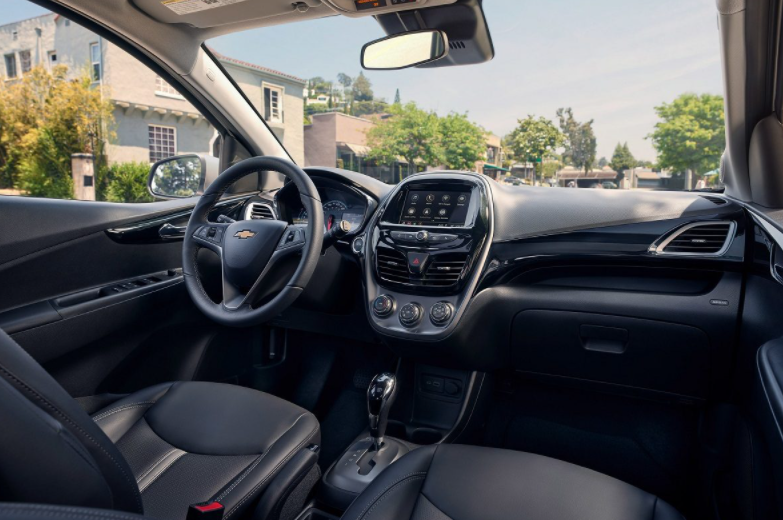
column 474, row 483
column 154, row 452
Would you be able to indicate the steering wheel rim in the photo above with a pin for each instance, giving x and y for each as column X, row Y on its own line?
column 240, row 254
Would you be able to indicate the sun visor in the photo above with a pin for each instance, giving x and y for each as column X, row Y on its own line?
column 214, row 13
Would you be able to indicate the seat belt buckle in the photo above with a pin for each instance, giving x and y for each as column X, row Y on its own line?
column 206, row 511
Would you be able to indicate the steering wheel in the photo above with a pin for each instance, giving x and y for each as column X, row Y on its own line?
column 249, row 249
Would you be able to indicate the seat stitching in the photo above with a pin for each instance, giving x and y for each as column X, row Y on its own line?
column 417, row 474
column 128, row 406
column 287, row 457
column 135, row 488
column 252, row 466
column 162, row 471
column 388, row 492
column 154, row 464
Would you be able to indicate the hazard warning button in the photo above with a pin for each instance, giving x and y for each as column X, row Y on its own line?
column 417, row 262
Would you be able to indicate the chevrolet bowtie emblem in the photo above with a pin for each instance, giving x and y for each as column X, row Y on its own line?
column 244, row 234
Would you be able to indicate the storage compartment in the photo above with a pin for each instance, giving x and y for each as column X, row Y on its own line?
column 638, row 353
column 312, row 513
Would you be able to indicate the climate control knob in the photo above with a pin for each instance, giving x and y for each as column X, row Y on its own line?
column 383, row 306
column 410, row 314
column 441, row 313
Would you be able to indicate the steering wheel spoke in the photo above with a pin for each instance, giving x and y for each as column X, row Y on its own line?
column 211, row 236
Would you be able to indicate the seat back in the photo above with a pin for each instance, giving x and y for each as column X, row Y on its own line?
column 50, row 449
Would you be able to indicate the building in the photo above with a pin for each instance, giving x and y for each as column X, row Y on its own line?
column 152, row 120
column 336, row 139
column 572, row 177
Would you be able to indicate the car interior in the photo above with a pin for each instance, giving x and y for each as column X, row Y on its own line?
column 310, row 343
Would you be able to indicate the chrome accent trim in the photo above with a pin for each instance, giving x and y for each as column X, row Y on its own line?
column 658, row 247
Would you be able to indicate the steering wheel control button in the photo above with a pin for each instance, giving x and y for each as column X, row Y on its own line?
column 441, row 313
column 383, row 306
column 410, row 314
column 422, row 236
column 417, row 262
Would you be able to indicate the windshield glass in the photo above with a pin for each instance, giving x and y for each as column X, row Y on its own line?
column 614, row 94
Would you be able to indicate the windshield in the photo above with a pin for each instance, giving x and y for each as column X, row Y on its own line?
column 613, row 94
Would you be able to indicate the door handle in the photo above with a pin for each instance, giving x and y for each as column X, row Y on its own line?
column 169, row 232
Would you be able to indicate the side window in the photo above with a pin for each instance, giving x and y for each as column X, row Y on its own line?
column 82, row 119
column 273, row 104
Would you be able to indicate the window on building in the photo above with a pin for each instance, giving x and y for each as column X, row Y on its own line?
column 163, row 88
column 10, row 66
column 25, row 61
column 51, row 57
column 95, row 59
column 15, row 35
column 163, row 142
column 273, row 104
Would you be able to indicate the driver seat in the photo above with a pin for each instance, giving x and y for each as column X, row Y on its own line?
column 155, row 452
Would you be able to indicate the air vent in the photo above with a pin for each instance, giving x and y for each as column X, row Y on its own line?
column 259, row 211
column 443, row 271
column 697, row 239
column 715, row 200
column 456, row 44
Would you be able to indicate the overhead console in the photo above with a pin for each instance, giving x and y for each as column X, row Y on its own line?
column 423, row 253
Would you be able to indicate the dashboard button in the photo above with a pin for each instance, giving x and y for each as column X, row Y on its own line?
column 358, row 245
column 441, row 313
column 422, row 236
column 417, row 262
column 410, row 314
column 383, row 306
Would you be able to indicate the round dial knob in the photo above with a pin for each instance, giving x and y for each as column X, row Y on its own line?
column 383, row 306
column 422, row 236
column 441, row 313
column 410, row 314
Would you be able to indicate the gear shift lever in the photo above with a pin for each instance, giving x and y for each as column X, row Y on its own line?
column 380, row 397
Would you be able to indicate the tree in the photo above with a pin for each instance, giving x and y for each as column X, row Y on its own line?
column 346, row 81
column 46, row 117
column 691, row 133
column 410, row 133
column 622, row 159
column 580, row 142
column 363, row 108
column 362, row 88
column 127, row 182
column 463, row 142
column 534, row 139
column 397, row 97
column 602, row 162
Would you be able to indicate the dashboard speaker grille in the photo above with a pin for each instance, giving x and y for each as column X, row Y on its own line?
column 444, row 271
column 259, row 211
column 708, row 238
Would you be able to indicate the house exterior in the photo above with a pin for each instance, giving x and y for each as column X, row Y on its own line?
column 152, row 120
column 577, row 178
column 335, row 139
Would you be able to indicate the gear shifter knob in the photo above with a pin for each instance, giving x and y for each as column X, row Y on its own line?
column 380, row 396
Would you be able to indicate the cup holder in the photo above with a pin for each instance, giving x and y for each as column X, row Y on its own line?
column 420, row 435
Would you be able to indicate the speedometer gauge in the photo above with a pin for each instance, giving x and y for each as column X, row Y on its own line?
column 334, row 206
column 333, row 211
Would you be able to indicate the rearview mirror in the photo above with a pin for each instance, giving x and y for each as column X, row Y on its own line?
column 181, row 176
column 400, row 51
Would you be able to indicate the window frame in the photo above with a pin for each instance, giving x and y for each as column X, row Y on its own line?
column 98, row 63
column 165, row 89
column 280, row 90
column 29, row 55
column 49, row 61
column 12, row 61
column 150, row 127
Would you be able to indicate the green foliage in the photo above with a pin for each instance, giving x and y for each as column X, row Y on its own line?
column 462, row 142
column 363, row 108
column 46, row 117
column 397, row 97
column 602, row 162
column 691, row 133
column 362, row 88
column 622, row 158
column 580, row 142
column 534, row 139
column 411, row 133
column 177, row 177
column 127, row 182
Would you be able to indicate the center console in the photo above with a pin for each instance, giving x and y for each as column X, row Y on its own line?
column 424, row 252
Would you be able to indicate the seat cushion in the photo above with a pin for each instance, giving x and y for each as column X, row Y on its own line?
column 472, row 483
column 194, row 442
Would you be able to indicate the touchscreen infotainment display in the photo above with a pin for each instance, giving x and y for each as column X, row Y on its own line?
column 435, row 208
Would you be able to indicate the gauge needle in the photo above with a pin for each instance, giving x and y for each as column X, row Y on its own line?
column 329, row 222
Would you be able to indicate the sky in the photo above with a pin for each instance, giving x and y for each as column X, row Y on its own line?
column 612, row 61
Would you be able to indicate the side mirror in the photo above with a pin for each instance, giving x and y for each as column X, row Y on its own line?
column 182, row 176
column 400, row 51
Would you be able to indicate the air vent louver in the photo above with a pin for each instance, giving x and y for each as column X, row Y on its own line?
column 715, row 200
column 707, row 239
column 259, row 211
column 443, row 271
